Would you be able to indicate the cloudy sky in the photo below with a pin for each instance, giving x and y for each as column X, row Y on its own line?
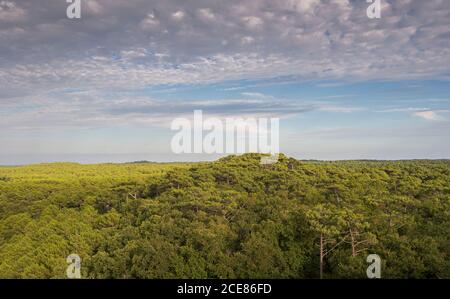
column 107, row 86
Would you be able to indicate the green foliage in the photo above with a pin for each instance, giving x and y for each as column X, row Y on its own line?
column 233, row 218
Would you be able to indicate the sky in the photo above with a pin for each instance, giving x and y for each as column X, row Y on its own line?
column 106, row 87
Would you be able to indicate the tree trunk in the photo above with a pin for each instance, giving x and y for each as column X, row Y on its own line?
column 353, row 243
column 321, row 256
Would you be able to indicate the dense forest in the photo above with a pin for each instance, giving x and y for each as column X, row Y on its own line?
column 232, row 218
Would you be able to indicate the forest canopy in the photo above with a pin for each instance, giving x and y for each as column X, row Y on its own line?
column 232, row 218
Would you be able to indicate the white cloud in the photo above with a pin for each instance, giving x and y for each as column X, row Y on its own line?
column 179, row 15
column 339, row 109
column 246, row 40
column 133, row 53
column 256, row 95
column 206, row 15
column 424, row 113
column 429, row 115
column 409, row 109
column 150, row 22
column 10, row 12
column 304, row 5
column 92, row 6
column 253, row 22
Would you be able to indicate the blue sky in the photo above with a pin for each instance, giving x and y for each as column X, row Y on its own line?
column 106, row 87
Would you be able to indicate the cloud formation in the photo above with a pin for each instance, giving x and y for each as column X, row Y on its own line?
column 429, row 115
column 90, row 109
column 137, row 43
